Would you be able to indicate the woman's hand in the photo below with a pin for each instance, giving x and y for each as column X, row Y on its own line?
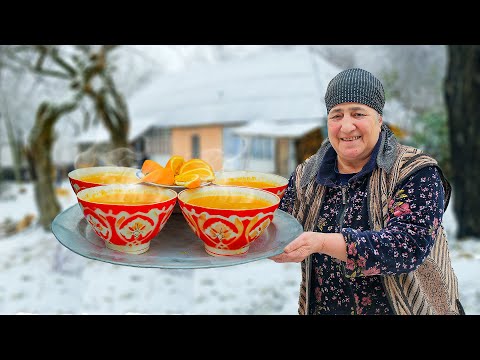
column 307, row 243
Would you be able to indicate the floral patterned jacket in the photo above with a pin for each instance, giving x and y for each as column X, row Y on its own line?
column 332, row 202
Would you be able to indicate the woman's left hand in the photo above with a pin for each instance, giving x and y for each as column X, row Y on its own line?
column 307, row 243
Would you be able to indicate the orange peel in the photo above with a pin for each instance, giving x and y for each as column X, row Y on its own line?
column 162, row 176
column 190, row 181
column 175, row 163
column 204, row 173
column 149, row 165
column 194, row 164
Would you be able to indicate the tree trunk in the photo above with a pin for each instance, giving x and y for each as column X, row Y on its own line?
column 113, row 112
column 15, row 149
column 462, row 96
column 41, row 141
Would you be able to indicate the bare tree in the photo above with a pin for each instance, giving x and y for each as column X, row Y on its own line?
column 16, row 91
column 39, row 153
column 109, row 102
column 15, row 144
column 462, row 96
column 11, row 131
column 86, row 70
column 414, row 74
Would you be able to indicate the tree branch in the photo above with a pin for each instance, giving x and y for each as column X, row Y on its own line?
column 62, row 63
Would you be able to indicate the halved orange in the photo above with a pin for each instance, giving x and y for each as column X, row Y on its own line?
column 149, row 166
column 188, row 180
column 194, row 164
column 163, row 176
column 174, row 163
column 204, row 173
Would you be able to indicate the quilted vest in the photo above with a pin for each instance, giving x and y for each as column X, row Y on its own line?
column 433, row 287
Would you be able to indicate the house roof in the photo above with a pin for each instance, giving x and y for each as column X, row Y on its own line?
column 270, row 85
column 279, row 129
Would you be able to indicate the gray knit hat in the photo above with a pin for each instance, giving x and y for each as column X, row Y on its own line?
column 355, row 85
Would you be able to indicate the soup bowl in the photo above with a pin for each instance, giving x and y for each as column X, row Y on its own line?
column 127, row 216
column 273, row 183
column 227, row 218
column 85, row 178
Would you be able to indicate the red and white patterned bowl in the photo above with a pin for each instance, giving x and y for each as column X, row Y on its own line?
column 223, row 231
column 126, row 175
column 277, row 184
column 127, row 227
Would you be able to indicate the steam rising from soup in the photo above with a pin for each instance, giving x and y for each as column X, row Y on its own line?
column 238, row 202
column 109, row 178
column 126, row 197
column 246, row 181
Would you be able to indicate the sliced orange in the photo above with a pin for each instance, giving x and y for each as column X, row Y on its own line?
column 190, row 181
column 204, row 173
column 149, row 166
column 174, row 163
column 163, row 176
column 194, row 164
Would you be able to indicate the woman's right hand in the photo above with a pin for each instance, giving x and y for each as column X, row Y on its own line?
column 300, row 248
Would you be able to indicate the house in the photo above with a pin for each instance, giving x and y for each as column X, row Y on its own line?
column 264, row 112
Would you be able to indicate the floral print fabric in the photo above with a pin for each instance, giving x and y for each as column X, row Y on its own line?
column 355, row 287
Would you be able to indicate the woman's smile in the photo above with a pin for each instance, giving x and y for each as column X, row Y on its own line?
column 351, row 138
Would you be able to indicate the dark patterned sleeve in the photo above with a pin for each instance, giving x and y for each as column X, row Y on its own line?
column 288, row 200
column 415, row 214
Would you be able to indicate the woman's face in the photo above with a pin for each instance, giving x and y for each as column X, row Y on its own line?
column 353, row 131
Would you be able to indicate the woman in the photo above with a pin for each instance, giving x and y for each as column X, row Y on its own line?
column 372, row 211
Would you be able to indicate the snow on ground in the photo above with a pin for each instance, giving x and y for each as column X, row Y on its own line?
column 39, row 275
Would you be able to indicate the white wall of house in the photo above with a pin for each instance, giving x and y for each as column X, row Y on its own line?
column 259, row 165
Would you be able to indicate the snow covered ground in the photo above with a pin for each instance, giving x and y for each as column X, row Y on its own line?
column 38, row 275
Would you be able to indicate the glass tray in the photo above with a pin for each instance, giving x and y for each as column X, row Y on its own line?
column 175, row 247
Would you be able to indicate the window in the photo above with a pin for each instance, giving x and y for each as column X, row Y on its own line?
column 232, row 143
column 195, row 147
column 140, row 145
column 158, row 141
column 262, row 148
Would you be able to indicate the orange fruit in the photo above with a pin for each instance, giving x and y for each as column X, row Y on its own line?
column 163, row 176
column 149, row 166
column 174, row 163
column 194, row 164
column 204, row 173
column 190, row 181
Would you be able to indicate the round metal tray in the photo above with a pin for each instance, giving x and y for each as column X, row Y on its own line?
column 175, row 247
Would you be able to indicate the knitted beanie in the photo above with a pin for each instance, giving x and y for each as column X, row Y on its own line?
column 355, row 85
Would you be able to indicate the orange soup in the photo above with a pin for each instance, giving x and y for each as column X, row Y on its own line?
column 109, row 179
column 230, row 202
column 246, row 181
column 128, row 198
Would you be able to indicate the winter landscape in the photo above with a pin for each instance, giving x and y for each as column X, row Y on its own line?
column 38, row 275
column 189, row 85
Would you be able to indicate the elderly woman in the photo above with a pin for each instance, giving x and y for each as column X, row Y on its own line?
column 371, row 211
